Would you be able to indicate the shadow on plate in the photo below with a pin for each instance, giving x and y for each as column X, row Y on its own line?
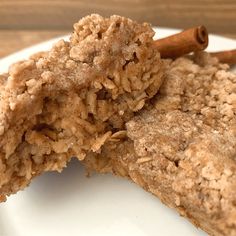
column 58, row 188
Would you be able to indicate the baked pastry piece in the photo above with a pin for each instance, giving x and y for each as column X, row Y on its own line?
column 182, row 149
column 70, row 100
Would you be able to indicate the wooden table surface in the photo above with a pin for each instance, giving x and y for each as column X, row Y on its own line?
column 26, row 22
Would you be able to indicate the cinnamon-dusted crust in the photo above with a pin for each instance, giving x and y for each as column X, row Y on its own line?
column 182, row 149
column 70, row 100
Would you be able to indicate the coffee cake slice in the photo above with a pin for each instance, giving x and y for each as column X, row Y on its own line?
column 70, row 100
column 183, row 148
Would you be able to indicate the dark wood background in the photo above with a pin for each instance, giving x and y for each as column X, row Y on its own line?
column 26, row 22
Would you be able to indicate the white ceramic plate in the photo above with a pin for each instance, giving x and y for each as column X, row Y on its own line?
column 71, row 204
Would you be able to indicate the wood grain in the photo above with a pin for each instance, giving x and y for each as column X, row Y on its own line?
column 25, row 22
column 15, row 40
column 217, row 15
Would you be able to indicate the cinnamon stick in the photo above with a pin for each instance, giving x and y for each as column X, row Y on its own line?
column 190, row 40
column 228, row 57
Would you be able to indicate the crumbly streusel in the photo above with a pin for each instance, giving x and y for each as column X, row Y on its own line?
column 183, row 148
column 72, row 99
